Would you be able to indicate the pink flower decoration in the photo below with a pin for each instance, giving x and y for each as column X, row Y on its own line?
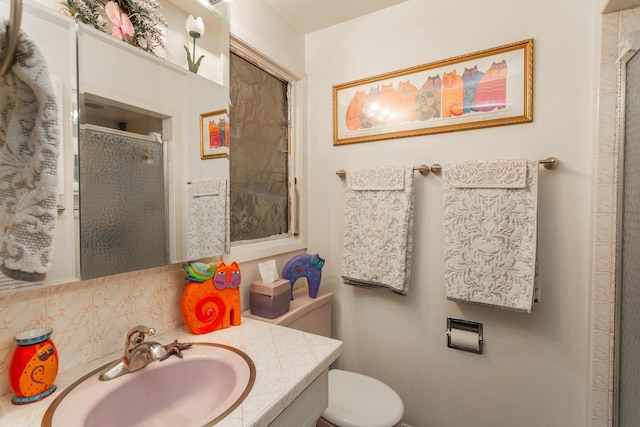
column 122, row 26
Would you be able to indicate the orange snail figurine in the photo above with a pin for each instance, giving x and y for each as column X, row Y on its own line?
column 213, row 303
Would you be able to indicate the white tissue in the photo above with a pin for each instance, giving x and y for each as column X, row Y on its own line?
column 268, row 271
column 466, row 339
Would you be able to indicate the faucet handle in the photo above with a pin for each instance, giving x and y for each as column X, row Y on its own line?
column 137, row 334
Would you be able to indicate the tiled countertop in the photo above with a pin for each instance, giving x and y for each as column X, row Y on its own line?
column 286, row 361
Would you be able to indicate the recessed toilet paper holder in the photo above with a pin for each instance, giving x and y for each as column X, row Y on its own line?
column 461, row 335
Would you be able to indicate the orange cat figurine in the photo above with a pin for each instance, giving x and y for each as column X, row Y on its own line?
column 214, row 303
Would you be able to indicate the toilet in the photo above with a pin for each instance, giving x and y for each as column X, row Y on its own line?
column 355, row 400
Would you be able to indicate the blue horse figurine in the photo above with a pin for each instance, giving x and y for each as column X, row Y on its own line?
column 304, row 265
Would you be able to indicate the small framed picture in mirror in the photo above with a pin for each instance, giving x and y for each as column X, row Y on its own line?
column 214, row 134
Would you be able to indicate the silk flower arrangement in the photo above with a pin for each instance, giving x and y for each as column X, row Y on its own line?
column 133, row 21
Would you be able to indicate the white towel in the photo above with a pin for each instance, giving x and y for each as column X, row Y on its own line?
column 29, row 136
column 490, row 229
column 378, row 228
column 208, row 230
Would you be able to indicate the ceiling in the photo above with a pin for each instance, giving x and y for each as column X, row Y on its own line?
column 313, row 15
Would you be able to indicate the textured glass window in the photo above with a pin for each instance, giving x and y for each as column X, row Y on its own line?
column 259, row 152
column 122, row 214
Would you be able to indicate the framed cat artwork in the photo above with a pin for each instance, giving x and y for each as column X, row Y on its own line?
column 214, row 134
column 492, row 87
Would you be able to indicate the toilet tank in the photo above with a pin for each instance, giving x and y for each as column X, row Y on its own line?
column 306, row 314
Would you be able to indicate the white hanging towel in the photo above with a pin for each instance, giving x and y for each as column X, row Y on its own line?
column 490, row 232
column 208, row 230
column 29, row 137
column 378, row 228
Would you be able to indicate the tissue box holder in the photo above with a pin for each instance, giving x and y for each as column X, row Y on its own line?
column 270, row 300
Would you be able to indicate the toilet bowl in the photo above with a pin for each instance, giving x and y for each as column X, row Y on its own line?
column 355, row 400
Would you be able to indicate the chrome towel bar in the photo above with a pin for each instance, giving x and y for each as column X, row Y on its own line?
column 549, row 163
column 423, row 169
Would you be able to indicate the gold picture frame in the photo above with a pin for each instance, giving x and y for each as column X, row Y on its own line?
column 214, row 134
column 492, row 87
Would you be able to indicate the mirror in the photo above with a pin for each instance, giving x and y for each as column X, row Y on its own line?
column 140, row 154
column 131, row 151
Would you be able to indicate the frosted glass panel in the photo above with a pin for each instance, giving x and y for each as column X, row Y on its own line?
column 122, row 207
column 629, row 378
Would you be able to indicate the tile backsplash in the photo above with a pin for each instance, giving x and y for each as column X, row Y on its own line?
column 90, row 318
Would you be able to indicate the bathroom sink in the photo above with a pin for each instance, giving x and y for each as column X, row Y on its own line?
column 198, row 390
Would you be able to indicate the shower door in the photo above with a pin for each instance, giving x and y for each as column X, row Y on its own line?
column 628, row 292
column 122, row 202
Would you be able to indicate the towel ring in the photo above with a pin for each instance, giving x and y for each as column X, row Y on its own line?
column 13, row 33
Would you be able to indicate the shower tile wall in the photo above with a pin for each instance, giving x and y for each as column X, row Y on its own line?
column 615, row 27
column 628, row 384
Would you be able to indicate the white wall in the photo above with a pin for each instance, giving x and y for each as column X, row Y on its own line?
column 534, row 371
column 257, row 24
column 212, row 44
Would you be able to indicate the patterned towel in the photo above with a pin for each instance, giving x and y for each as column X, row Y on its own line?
column 490, row 228
column 29, row 137
column 378, row 228
column 208, row 231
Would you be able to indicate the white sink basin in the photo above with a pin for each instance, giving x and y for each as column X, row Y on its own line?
column 198, row 390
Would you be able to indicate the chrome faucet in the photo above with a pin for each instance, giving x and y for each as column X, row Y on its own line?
column 138, row 353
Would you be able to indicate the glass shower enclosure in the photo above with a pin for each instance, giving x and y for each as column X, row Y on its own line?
column 627, row 375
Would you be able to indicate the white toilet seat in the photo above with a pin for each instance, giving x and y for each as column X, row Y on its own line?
column 356, row 400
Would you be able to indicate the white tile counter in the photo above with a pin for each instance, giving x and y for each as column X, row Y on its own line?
column 286, row 361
